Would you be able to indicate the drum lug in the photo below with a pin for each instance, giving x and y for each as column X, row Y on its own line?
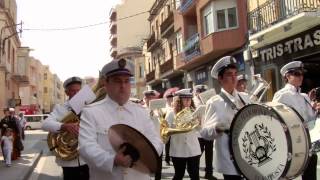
column 289, row 157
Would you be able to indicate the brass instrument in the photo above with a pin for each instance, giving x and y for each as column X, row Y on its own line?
column 184, row 122
column 64, row 144
column 259, row 89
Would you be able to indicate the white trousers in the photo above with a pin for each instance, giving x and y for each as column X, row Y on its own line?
column 7, row 155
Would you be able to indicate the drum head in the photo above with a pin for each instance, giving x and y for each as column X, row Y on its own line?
column 258, row 143
column 149, row 160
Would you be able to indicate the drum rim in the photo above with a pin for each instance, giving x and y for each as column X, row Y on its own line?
column 230, row 138
column 308, row 137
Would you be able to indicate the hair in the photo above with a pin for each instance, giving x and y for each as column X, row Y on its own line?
column 177, row 104
column 230, row 66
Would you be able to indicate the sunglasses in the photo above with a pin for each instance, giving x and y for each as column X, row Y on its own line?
column 296, row 73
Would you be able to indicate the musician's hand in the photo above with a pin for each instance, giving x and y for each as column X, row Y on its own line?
column 122, row 160
column 219, row 130
column 72, row 128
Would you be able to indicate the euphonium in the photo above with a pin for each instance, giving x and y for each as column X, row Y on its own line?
column 64, row 144
column 184, row 122
column 260, row 88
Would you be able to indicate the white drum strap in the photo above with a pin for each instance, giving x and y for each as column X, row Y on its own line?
column 230, row 103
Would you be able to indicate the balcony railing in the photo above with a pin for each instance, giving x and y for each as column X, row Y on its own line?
column 166, row 24
column 150, row 76
column 274, row 11
column 151, row 40
column 185, row 5
column 166, row 66
column 192, row 47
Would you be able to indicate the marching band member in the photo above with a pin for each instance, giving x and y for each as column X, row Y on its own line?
column 97, row 118
column 77, row 168
column 148, row 96
column 290, row 95
column 205, row 145
column 242, row 83
column 184, row 148
column 168, row 95
column 220, row 111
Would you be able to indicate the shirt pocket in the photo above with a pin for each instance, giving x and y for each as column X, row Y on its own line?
column 103, row 138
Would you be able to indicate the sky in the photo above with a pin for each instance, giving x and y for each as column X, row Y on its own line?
column 78, row 52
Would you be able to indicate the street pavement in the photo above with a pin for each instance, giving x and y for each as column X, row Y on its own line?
column 37, row 163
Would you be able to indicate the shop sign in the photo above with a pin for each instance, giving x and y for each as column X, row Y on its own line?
column 305, row 41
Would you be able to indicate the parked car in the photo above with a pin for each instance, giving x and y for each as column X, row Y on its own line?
column 34, row 121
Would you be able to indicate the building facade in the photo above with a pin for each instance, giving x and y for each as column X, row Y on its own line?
column 10, row 78
column 282, row 31
column 203, row 31
column 127, row 39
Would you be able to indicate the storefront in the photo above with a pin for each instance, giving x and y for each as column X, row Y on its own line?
column 304, row 47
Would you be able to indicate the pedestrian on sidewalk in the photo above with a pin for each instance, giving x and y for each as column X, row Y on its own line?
column 7, row 146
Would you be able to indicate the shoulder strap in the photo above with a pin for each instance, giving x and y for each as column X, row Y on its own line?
column 228, row 101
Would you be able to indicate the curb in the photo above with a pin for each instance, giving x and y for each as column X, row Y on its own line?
column 27, row 173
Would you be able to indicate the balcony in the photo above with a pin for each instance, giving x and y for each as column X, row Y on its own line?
column 185, row 5
column 167, row 27
column 192, row 47
column 150, row 76
column 22, row 79
column 113, row 40
column 166, row 66
column 278, row 19
column 113, row 52
column 274, row 11
column 112, row 14
column 152, row 42
column 113, row 27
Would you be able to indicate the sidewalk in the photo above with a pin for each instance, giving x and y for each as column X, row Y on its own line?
column 21, row 168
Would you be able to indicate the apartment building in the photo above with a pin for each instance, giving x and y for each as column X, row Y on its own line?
column 203, row 31
column 129, row 27
column 48, row 87
column 9, row 43
column 282, row 31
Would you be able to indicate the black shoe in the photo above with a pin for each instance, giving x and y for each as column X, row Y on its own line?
column 209, row 176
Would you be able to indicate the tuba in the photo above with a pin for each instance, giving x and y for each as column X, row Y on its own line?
column 184, row 122
column 65, row 145
column 259, row 89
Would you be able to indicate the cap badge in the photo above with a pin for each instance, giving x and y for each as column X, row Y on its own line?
column 122, row 63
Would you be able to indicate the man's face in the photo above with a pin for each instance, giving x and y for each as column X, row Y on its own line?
column 295, row 78
column 73, row 89
column 228, row 80
column 118, row 88
column 242, row 85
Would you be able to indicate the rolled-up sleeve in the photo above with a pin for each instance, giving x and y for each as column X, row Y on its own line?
column 90, row 150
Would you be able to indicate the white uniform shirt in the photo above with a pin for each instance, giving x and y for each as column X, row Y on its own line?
column 95, row 147
column 220, row 112
column 7, row 142
column 292, row 97
column 52, row 124
column 184, row 144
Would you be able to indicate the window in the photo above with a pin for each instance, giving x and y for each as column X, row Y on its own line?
column 179, row 42
column 219, row 15
column 227, row 18
column 45, row 90
column 208, row 19
column 141, row 72
column 45, row 76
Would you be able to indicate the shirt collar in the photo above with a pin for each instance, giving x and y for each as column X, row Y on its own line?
column 127, row 106
column 232, row 96
column 292, row 88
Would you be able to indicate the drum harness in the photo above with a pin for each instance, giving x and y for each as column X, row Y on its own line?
column 231, row 104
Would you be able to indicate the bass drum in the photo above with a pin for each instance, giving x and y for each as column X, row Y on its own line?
column 269, row 141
